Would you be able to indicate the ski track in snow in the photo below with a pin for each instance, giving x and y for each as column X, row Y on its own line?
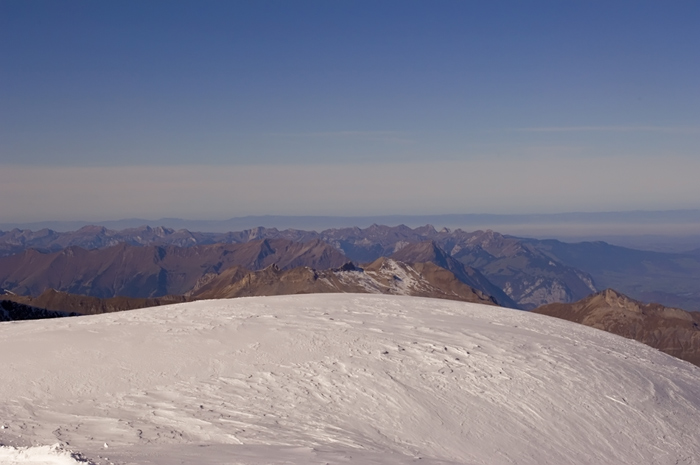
column 340, row 378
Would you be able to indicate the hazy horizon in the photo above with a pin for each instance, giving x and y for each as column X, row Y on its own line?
column 218, row 110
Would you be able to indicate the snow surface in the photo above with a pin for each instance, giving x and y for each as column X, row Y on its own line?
column 339, row 378
column 39, row 455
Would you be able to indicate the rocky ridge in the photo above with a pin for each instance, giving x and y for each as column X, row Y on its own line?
column 14, row 311
column 151, row 271
column 430, row 252
column 670, row 330
column 383, row 276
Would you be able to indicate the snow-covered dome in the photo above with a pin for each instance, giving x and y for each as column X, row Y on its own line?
column 341, row 378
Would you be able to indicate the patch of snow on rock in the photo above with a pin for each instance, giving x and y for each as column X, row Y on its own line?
column 361, row 279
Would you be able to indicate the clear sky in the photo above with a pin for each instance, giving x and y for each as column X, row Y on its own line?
column 215, row 109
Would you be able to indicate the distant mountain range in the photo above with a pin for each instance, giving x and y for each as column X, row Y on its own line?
column 629, row 222
column 524, row 273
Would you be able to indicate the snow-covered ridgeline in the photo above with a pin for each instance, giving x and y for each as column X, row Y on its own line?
column 343, row 378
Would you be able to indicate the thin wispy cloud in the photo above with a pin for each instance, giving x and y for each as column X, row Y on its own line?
column 662, row 129
column 397, row 137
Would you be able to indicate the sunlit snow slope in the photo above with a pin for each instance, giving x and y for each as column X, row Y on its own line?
column 342, row 378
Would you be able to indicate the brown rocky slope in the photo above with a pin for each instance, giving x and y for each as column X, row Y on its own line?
column 671, row 330
column 151, row 271
column 13, row 311
column 86, row 305
column 383, row 276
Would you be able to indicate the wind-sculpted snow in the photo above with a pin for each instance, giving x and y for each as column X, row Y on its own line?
column 343, row 378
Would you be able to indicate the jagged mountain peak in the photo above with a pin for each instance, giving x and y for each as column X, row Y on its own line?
column 260, row 233
column 90, row 229
column 349, row 266
column 161, row 231
column 612, row 300
column 380, row 263
column 616, row 299
column 426, row 251
column 427, row 230
column 271, row 268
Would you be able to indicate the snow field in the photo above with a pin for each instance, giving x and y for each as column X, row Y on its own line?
column 39, row 455
column 343, row 378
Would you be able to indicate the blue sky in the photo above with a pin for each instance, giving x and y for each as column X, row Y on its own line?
column 222, row 108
